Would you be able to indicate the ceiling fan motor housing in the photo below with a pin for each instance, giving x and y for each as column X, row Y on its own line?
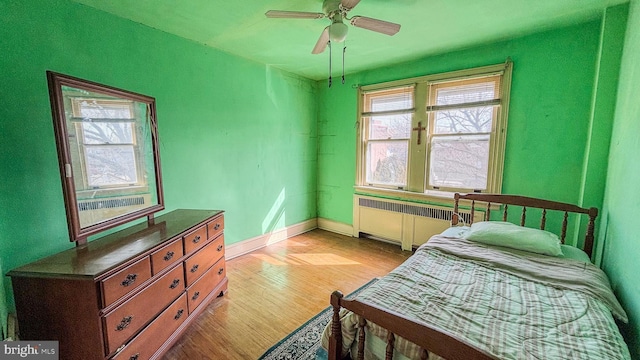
column 330, row 7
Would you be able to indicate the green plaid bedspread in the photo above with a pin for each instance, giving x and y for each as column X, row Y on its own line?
column 543, row 308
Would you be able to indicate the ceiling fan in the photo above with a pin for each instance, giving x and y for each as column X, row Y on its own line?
column 336, row 11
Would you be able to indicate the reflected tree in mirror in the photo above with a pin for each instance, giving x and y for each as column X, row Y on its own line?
column 107, row 148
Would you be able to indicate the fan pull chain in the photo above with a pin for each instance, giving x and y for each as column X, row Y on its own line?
column 344, row 50
column 330, row 63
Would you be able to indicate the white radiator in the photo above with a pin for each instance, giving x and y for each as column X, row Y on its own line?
column 91, row 211
column 410, row 224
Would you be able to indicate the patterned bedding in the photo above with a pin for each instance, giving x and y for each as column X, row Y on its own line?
column 510, row 304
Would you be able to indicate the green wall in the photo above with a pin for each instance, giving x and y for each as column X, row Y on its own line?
column 613, row 28
column 622, row 195
column 234, row 134
column 3, row 306
column 549, row 116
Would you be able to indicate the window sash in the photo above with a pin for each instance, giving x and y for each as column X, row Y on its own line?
column 469, row 169
column 120, row 153
column 385, row 164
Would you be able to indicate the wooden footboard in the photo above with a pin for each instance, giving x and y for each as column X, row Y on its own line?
column 429, row 339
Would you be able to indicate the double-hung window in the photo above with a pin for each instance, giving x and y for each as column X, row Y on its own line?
column 434, row 134
column 107, row 140
column 388, row 114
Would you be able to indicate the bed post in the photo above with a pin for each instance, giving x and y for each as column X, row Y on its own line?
column 454, row 216
column 335, row 340
column 588, row 239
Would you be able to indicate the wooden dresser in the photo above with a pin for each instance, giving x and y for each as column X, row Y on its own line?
column 128, row 295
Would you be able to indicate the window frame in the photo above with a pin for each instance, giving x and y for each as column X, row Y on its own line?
column 82, row 144
column 418, row 169
column 369, row 114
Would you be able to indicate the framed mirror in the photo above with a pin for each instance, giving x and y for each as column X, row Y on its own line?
column 107, row 142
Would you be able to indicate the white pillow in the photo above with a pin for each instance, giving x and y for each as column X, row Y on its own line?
column 516, row 237
column 574, row 253
column 455, row 231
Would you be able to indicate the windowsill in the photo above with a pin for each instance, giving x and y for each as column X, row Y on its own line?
column 431, row 196
column 439, row 197
column 90, row 194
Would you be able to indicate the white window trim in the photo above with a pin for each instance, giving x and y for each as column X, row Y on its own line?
column 417, row 188
column 80, row 143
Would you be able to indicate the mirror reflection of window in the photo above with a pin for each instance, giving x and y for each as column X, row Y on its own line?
column 108, row 142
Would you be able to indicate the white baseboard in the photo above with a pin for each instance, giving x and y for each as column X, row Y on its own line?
column 258, row 242
column 334, row 226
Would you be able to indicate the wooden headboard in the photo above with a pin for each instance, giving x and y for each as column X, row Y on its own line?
column 527, row 202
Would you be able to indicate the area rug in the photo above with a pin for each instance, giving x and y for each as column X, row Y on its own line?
column 305, row 341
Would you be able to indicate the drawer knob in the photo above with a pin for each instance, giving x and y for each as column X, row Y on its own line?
column 220, row 271
column 178, row 314
column 196, row 239
column 124, row 323
column 130, row 279
column 194, row 268
column 220, row 247
column 216, row 227
column 195, row 295
column 134, row 357
column 174, row 284
column 169, row 256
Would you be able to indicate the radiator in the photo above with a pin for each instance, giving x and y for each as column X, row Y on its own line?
column 91, row 211
column 409, row 224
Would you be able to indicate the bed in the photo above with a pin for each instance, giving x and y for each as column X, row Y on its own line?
column 490, row 290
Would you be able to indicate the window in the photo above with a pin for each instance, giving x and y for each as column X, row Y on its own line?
column 438, row 133
column 389, row 132
column 106, row 138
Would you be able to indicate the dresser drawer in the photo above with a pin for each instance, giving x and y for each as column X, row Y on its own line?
column 166, row 256
column 123, row 322
column 203, row 287
column 125, row 280
column 195, row 240
column 153, row 336
column 218, row 243
column 200, row 262
column 215, row 227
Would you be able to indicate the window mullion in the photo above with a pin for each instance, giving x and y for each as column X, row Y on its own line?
column 417, row 152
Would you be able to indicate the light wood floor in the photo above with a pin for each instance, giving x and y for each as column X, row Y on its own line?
column 274, row 290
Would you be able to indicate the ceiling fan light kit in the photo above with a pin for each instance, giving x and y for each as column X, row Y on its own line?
column 338, row 31
column 336, row 11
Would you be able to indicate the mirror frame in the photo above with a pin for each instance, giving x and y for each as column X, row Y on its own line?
column 76, row 232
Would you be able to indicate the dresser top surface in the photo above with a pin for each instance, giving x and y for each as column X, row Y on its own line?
column 101, row 255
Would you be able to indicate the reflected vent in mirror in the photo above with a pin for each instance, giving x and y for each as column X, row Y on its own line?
column 110, row 203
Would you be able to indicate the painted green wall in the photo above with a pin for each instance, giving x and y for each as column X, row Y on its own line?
column 613, row 26
column 3, row 306
column 549, row 116
column 234, row 135
column 622, row 196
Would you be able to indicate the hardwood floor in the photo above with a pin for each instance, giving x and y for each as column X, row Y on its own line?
column 274, row 290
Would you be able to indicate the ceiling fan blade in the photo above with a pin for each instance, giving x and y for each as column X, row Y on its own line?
column 276, row 14
column 380, row 26
column 349, row 4
column 322, row 42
